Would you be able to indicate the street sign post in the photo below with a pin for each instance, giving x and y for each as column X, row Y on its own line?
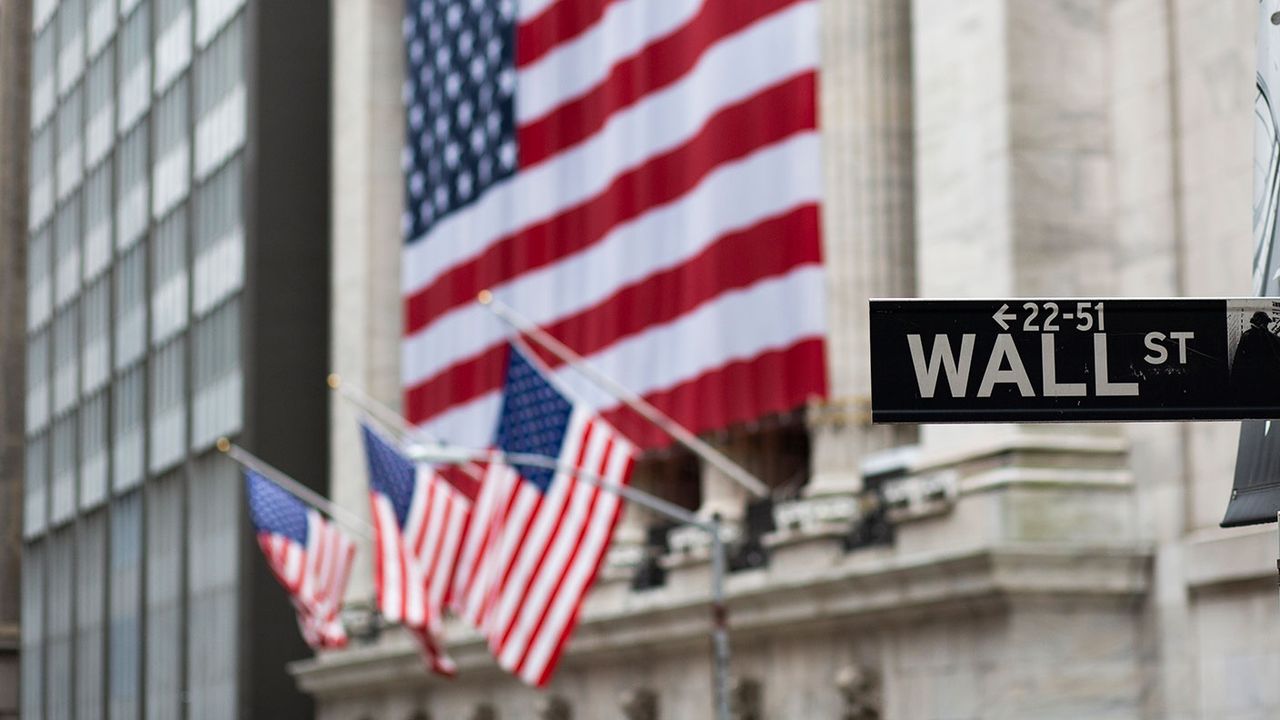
column 1077, row 359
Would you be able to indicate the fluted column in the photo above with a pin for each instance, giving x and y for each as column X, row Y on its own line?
column 868, row 224
column 368, row 132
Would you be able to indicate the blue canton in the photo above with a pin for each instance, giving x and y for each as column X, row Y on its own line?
column 459, row 97
column 274, row 510
column 390, row 473
column 535, row 416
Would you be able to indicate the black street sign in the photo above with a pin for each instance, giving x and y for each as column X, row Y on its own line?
column 1074, row 360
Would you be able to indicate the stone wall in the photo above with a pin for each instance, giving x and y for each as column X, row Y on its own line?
column 15, row 23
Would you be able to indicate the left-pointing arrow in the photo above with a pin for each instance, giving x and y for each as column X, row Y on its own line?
column 1001, row 316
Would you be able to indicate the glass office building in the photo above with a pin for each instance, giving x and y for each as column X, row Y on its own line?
column 177, row 292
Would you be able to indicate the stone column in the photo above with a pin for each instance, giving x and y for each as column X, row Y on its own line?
column 368, row 133
column 868, row 227
column 1013, row 163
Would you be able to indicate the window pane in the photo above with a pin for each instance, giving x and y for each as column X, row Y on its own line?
column 33, row 607
column 70, row 145
column 218, row 239
column 62, row 503
column 61, row 571
column 40, row 279
column 91, row 588
column 124, row 656
column 93, row 451
column 37, row 382
column 35, row 494
column 173, row 40
column 169, row 277
column 134, row 190
column 99, row 111
column 172, row 150
column 164, row 597
column 168, row 405
column 95, row 314
column 126, row 447
column 220, row 101
column 97, row 221
column 215, row 533
column 40, row 201
column 135, row 67
column 217, row 384
column 66, row 356
column 66, row 252
column 131, row 307
column 71, row 42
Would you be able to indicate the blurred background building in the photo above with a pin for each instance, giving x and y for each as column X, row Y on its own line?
column 176, row 270
column 213, row 221
column 977, row 149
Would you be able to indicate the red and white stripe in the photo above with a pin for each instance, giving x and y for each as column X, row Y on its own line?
column 415, row 564
column 315, row 577
column 525, row 570
column 664, row 221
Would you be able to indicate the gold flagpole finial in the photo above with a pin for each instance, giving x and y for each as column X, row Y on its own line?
column 485, row 297
column 223, row 445
column 334, row 380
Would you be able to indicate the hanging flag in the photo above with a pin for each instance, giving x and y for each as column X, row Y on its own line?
column 640, row 178
column 539, row 535
column 419, row 520
column 309, row 556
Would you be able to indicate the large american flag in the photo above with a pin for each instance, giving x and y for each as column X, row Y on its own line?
column 538, row 536
column 639, row 177
column 310, row 557
column 419, row 521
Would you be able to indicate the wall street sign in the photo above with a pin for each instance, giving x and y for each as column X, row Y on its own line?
column 1074, row 359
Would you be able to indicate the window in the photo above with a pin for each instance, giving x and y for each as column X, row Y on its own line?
column 219, row 239
column 127, row 430
column 40, row 201
column 37, row 382
column 95, row 358
column 135, row 67
column 215, row 537
column 33, row 607
column 70, row 146
column 97, row 221
column 66, row 252
column 131, row 307
column 102, row 24
column 173, row 40
column 93, row 451
column 211, row 15
column 35, row 505
column 217, row 380
column 99, row 107
column 91, row 596
column 172, row 150
column 165, row 523
column 43, row 93
column 60, row 623
column 62, row 505
column 66, row 357
column 169, row 278
column 168, row 405
column 39, row 279
column 71, row 42
column 220, row 101
column 133, row 176
column 124, row 650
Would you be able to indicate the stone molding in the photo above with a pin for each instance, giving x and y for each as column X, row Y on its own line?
column 811, row 584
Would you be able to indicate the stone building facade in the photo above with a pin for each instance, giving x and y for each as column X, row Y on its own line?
column 987, row 148
column 15, row 21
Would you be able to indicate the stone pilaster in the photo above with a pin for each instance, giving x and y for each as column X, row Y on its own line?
column 868, row 227
column 366, row 196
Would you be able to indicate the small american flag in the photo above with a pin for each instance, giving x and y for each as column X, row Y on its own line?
column 639, row 177
column 419, row 520
column 310, row 557
column 538, row 535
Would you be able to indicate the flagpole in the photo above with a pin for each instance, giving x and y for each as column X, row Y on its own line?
column 386, row 416
column 295, row 488
column 663, row 421
column 721, row 653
